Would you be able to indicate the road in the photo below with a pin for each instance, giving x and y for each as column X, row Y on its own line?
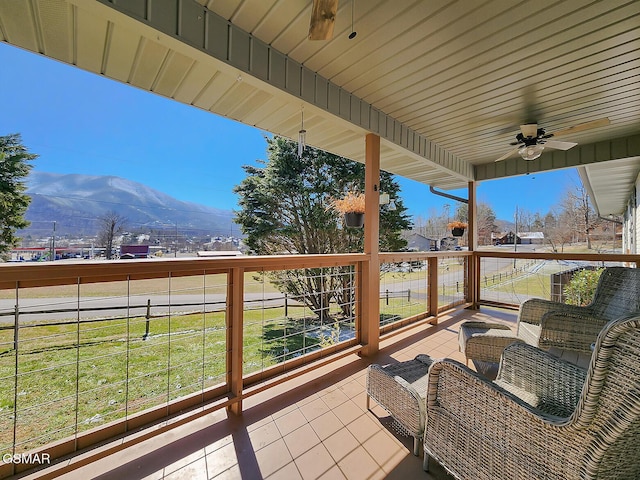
column 100, row 307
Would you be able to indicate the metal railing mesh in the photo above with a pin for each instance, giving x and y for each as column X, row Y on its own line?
column 510, row 281
column 76, row 357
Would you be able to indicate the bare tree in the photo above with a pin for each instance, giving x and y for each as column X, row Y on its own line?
column 111, row 225
column 556, row 233
column 579, row 214
column 486, row 221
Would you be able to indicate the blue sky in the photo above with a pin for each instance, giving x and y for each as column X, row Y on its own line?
column 79, row 122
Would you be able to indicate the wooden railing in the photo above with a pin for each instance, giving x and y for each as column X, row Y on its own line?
column 507, row 278
column 79, row 363
column 414, row 287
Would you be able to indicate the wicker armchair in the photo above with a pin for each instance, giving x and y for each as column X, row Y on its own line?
column 542, row 417
column 546, row 324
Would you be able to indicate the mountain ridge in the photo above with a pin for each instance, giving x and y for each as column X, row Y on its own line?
column 76, row 202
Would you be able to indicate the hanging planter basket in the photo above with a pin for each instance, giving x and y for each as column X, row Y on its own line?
column 457, row 232
column 354, row 220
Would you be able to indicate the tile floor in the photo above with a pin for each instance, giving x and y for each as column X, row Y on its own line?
column 315, row 426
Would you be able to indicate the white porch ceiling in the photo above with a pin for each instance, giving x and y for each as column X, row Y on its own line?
column 444, row 83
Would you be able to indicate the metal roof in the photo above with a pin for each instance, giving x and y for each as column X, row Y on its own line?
column 444, row 83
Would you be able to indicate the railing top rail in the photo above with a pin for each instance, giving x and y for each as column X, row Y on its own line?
column 72, row 272
column 591, row 257
column 14, row 275
column 386, row 257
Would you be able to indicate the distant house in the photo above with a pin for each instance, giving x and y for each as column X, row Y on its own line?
column 134, row 251
column 523, row 238
column 531, row 238
column 219, row 253
column 420, row 243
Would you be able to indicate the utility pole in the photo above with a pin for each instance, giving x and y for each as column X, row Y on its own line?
column 515, row 235
column 53, row 243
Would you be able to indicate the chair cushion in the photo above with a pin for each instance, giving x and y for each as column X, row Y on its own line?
column 485, row 341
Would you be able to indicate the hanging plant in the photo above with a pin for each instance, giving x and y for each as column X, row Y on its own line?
column 352, row 207
column 457, row 228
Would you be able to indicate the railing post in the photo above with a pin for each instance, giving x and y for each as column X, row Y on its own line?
column 286, row 305
column 148, row 317
column 16, row 315
column 16, row 326
column 235, row 320
column 432, row 287
column 369, row 290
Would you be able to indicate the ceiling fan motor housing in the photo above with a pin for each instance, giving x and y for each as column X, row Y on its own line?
column 529, row 137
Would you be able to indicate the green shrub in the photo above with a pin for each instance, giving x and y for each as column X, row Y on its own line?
column 581, row 288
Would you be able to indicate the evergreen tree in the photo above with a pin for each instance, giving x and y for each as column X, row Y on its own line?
column 285, row 205
column 14, row 168
column 286, row 209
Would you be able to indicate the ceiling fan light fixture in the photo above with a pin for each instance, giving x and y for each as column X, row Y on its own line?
column 531, row 152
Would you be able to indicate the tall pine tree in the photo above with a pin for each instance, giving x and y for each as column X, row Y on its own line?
column 286, row 209
column 14, row 168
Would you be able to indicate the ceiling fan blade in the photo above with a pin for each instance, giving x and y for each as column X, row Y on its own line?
column 559, row 145
column 508, row 154
column 323, row 18
column 602, row 122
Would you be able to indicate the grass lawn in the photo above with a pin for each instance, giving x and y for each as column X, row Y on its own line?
column 117, row 372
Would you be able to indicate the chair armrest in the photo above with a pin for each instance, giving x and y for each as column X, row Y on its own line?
column 532, row 310
column 540, row 379
column 570, row 330
column 472, row 398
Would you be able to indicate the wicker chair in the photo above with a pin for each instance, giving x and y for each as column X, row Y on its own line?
column 400, row 388
column 542, row 417
column 546, row 324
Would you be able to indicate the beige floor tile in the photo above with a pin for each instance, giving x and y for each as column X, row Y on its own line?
column 288, row 472
column 194, row 458
column 363, row 428
column 326, row 425
column 314, row 409
column 340, row 444
column 217, row 444
column 352, row 388
column 259, row 423
column 284, row 411
column 308, row 399
column 232, row 473
column 272, row 458
column 358, row 464
column 334, row 398
column 334, row 474
column 385, row 449
column 301, row 440
column 196, row 470
column 263, row 436
column 315, row 462
column 347, row 412
column 221, row 459
column 361, row 400
column 289, row 422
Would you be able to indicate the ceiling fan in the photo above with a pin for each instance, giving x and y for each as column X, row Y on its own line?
column 532, row 140
column 323, row 18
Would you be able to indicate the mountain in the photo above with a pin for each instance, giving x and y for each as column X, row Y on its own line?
column 76, row 202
